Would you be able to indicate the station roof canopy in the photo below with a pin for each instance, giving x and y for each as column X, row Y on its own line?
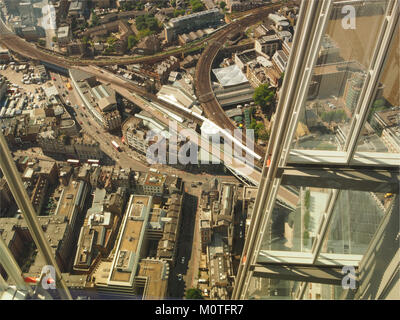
column 230, row 76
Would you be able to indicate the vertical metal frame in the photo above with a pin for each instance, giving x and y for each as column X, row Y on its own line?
column 324, row 224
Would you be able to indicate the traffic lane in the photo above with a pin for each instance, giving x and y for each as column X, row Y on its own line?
column 184, row 245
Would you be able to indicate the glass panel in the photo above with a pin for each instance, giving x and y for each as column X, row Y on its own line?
column 294, row 224
column 271, row 289
column 355, row 218
column 381, row 132
column 338, row 77
column 320, row 291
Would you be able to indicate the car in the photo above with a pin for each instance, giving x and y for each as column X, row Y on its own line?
column 241, row 234
column 183, row 260
column 180, row 277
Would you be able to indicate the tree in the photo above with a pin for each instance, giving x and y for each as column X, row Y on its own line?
column 194, row 293
column 196, row 5
column 131, row 42
column 41, row 42
column 264, row 96
column 141, row 22
column 222, row 5
column 379, row 103
column 85, row 39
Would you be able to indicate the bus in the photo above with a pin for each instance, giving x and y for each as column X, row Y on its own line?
column 93, row 161
column 73, row 162
column 116, row 146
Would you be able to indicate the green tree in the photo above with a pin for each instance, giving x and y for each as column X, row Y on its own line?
column 54, row 39
column 179, row 12
column 141, row 22
column 222, row 5
column 41, row 42
column 194, row 293
column 132, row 41
column 264, row 96
column 95, row 21
column 379, row 103
column 263, row 135
column 85, row 39
column 196, row 5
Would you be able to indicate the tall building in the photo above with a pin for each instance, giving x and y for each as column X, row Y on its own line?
column 325, row 222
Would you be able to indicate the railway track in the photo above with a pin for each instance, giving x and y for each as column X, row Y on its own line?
column 203, row 87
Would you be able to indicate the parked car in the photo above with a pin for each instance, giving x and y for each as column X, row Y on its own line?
column 183, row 260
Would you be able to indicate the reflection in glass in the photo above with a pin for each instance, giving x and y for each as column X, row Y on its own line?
column 320, row 291
column 294, row 225
column 338, row 79
column 381, row 132
column 270, row 289
column 356, row 216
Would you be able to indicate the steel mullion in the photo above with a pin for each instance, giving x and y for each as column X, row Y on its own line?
column 327, row 220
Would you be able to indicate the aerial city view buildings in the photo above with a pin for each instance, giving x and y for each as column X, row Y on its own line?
column 199, row 149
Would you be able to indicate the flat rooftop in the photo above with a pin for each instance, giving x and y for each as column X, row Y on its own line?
column 154, row 179
column 68, row 199
column 131, row 238
column 156, row 279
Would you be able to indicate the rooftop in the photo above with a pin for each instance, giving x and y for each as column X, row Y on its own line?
column 230, row 76
column 129, row 246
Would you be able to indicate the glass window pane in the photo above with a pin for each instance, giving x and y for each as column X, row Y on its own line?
column 381, row 132
column 320, row 291
column 355, row 218
column 270, row 289
column 294, row 227
column 338, row 78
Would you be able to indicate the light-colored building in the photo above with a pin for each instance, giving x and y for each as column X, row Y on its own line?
column 267, row 44
column 191, row 22
column 154, row 183
column 63, row 35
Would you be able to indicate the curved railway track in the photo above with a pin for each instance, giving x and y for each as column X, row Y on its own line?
column 204, row 91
